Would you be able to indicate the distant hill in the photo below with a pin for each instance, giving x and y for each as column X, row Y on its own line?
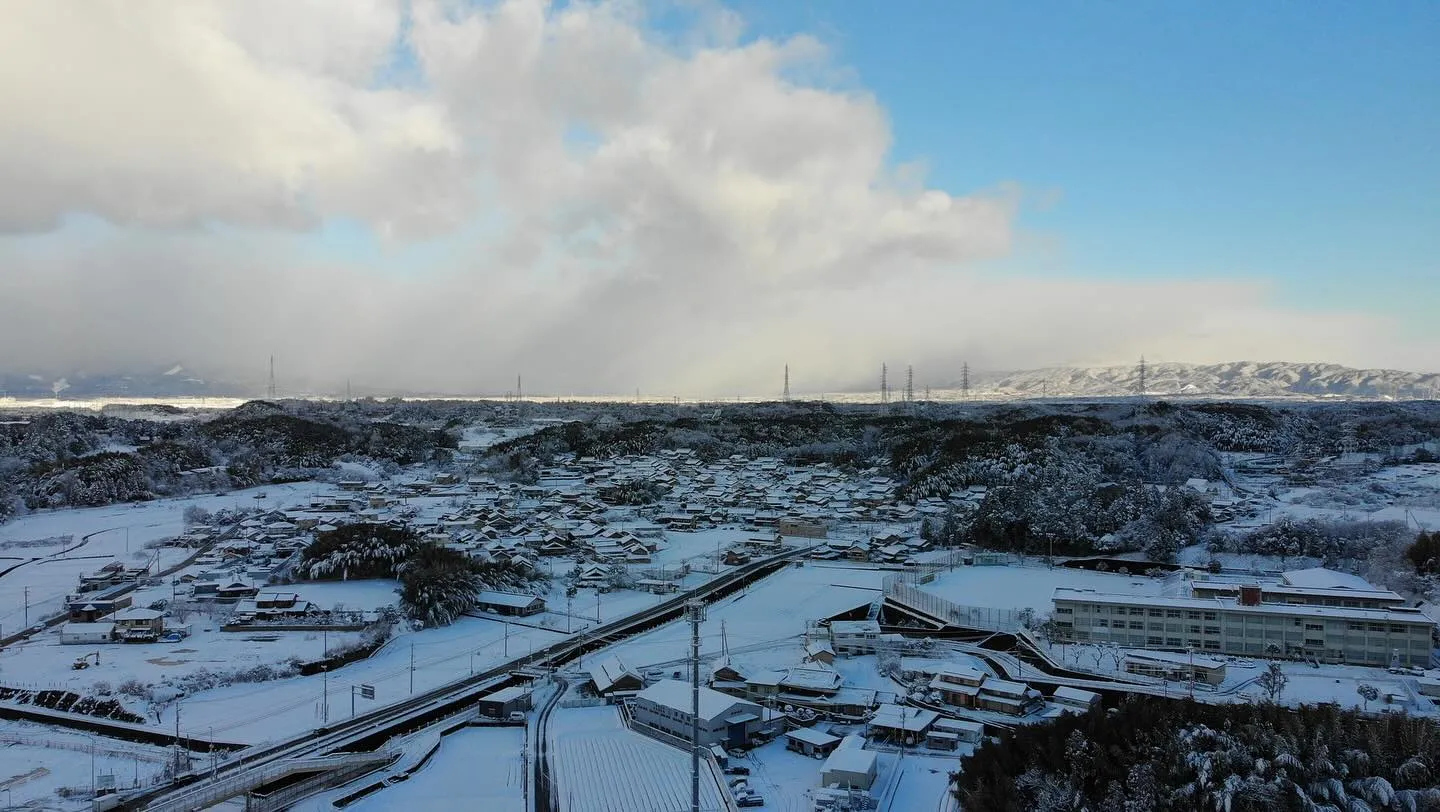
column 172, row 380
column 1243, row 379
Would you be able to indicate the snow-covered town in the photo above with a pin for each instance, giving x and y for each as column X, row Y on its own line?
column 273, row 647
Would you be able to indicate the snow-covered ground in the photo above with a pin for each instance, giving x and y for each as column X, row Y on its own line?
column 480, row 768
column 763, row 626
column 601, row 766
column 36, row 761
column 1030, row 585
column 918, row 782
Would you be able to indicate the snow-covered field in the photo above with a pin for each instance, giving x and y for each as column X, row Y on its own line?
column 600, row 766
column 1030, row 585
column 37, row 761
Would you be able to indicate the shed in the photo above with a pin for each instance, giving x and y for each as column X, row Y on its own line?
column 810, row 741
column 849, row 768
column 87, row 633
column 502, row 703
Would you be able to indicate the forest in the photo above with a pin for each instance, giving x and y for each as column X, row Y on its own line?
column 1158, row 756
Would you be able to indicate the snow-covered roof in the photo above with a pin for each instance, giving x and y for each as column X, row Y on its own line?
column 903, row 718
column 812, row 737
column 1176, row 658
column 850, row 760
column 1076, row 695
column 605, row 673
column 676, row 695
column 1284, row 609
column 137, row 613
column 1321, row 578
column 506, row 599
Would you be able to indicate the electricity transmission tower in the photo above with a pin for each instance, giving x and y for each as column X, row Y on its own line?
column 965, row 380
column 270, row 390
column 909, row 384
column 786, row 395
column 1140, row 388
column 884, row 383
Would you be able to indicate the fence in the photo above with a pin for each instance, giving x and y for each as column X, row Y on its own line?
column 900, row 588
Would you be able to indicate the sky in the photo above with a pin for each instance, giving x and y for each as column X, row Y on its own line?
column 684, row 196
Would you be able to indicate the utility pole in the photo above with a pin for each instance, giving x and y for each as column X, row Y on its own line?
column 27, row 607
column 325, row 695
column 412, row 669
column 696, row 612
column 177, row 739
column 507, row 635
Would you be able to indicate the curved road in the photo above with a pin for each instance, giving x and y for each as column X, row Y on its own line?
column 544, row 779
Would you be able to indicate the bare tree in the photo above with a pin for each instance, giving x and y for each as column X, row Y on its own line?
column 1273, row 681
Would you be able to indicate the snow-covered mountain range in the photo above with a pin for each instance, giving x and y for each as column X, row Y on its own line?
column 1241, row 379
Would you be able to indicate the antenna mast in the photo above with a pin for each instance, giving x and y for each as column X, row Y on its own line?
column 786, row 396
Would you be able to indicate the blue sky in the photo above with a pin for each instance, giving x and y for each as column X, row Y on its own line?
column 1295, row 142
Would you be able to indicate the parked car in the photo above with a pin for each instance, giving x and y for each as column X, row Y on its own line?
column 172, row 637
column 737, row 770
column 517, row 716
column 750, row 800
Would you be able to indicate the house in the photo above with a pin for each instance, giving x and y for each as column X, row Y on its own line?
column 593, row 575
column 811, row 742
column 268, row 605
column 723, row 719
column 804, row 528
column 137, row 625
column 900, row 723
column 233, row 591
column 965, row 731
column 819, row 651
column 500, row 704
column 854, row 636
column 509, row 603
column 91, row 607
column 74, row 633
column 1075, row 698
column 657, row 586
column 849, row 767
column 1004, row 696
column 611, row 675
column 958, row 686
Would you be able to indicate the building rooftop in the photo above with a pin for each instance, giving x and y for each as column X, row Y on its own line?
column 676, row 695
column 850, row 760
column 1397, row 615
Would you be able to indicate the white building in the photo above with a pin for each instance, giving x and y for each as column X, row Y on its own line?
column 1247, row 626
column 854, row 636
column 725, row 720
column 849, row 767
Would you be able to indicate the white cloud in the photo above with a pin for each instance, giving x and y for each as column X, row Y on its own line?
column 620, row 208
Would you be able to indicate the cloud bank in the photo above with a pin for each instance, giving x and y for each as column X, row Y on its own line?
column 558, row 190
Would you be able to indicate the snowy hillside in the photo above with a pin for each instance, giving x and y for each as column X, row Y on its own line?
column 1234, row 379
